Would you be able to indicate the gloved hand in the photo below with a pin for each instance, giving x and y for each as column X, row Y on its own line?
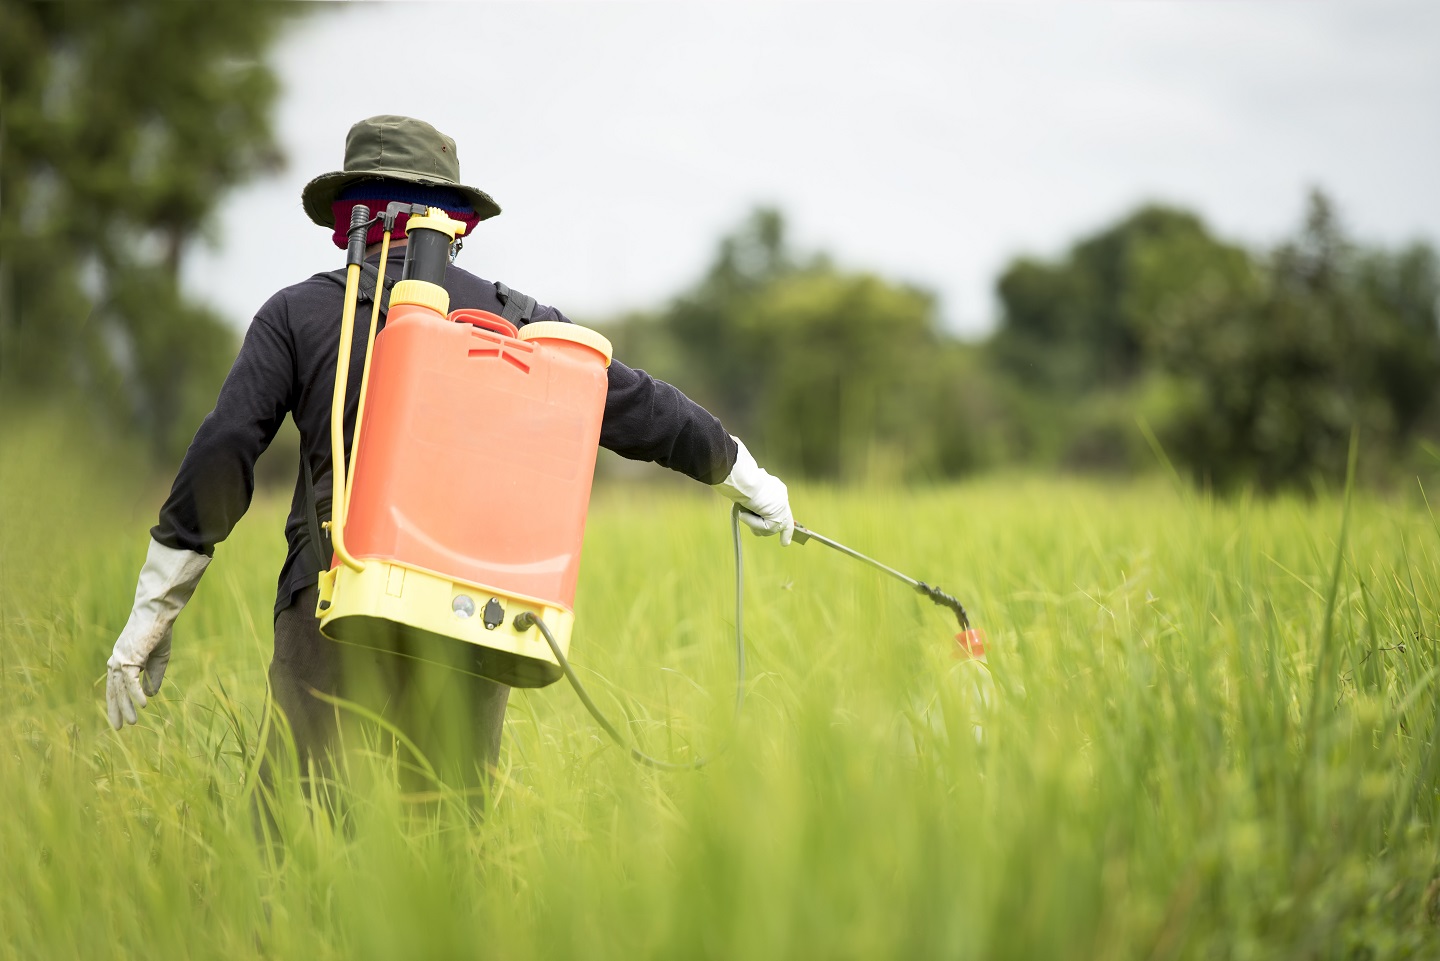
column 761, row 493
column 166, row 582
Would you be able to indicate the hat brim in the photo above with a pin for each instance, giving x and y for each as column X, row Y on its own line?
column 320, row 193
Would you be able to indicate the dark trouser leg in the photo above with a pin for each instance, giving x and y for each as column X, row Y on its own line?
column 455, row 719
column 304, row 661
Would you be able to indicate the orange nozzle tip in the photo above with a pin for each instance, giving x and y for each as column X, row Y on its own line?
column 970, row 644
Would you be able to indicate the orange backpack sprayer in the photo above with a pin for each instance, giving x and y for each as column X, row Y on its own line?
column 461, row 516
column 474, row 450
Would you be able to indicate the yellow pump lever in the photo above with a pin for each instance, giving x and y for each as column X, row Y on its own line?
column 341, row 479
column 337, row 419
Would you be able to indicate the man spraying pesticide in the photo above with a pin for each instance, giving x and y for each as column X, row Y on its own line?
column 450, row 461
column 439, row 404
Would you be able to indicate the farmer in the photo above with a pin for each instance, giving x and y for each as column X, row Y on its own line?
column 287, row 366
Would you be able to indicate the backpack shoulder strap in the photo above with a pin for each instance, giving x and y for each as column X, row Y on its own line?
column 369, row 274
column 320, row 545
column 518, row 308
column 319, row 538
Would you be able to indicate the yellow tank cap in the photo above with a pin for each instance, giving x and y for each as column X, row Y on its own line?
column 436, row 219
column 555, row 330
column 423, row 293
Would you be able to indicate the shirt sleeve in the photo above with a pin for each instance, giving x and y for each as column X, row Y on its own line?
column 216, row 480
column 650, row 420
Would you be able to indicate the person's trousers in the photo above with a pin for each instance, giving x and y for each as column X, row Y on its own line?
column 448, row 722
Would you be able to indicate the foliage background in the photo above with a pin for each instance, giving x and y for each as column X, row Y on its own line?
column 123, row 126
column 1149, row 338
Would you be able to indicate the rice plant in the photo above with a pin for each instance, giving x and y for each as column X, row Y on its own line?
column 1209, row 730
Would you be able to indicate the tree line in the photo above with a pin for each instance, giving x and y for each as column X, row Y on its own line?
column 1150, row 339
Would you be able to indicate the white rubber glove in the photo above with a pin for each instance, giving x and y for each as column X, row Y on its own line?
column 761, row 493
column 166, row 582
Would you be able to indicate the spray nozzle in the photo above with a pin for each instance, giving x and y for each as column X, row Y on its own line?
column 935, row 594
column 945, row 600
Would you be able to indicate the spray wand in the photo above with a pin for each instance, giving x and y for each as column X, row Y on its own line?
column 971, row 641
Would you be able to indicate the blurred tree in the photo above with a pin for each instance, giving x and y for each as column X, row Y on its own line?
column 1078, row 335
column 1080, row 324
column 121, row 127
column 719, row 368
column 1280, row 371
column 840, row 369
column 1403, row 288
column 1253, row 369
column 825, row 372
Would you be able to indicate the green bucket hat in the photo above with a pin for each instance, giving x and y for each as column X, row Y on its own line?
column 398, row 148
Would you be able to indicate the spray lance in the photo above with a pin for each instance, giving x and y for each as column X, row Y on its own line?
column 970, row 640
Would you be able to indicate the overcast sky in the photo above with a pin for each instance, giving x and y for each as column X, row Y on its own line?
column 929, row 142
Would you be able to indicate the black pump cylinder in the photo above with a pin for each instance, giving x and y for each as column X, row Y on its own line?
column 355, row 250
column 426, row 256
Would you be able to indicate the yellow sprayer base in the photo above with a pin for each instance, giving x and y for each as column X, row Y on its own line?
column 416, row 613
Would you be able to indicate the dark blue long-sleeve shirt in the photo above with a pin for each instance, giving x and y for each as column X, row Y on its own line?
column 286, row 365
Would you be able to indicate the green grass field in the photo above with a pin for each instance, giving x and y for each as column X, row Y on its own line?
column 1212, row 733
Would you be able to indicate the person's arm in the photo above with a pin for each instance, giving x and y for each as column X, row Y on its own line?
column 212, row 490
column 648, row 419
column 216, row 479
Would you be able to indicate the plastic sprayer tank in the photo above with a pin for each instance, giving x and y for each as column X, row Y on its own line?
column 471, row 483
